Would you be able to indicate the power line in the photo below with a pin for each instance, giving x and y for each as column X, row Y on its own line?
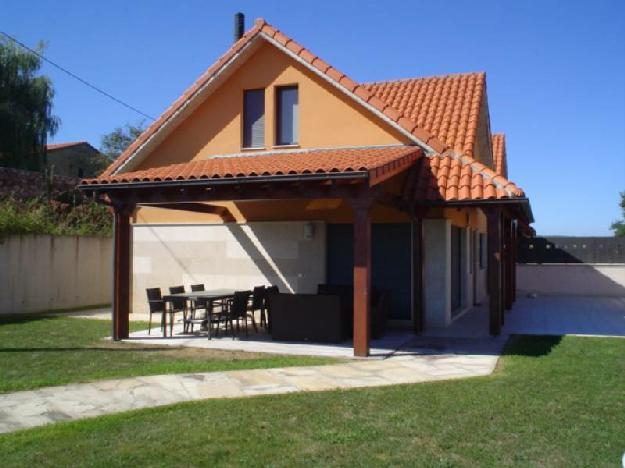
column 76, row 77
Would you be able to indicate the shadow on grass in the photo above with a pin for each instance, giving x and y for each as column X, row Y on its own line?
column 11, row 319
column 498, row 346
column 75, row 349
column 537, row 346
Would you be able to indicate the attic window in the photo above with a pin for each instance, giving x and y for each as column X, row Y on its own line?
column 287, row 115
column 254, row 118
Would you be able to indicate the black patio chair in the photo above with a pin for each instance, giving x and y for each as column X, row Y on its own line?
column 191, row 317
column 257, row 303
column 268, row 292
column 156, row 305
column 175, row 306
column 236, row 310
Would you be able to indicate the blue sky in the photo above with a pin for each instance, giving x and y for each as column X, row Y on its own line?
column 555, row 73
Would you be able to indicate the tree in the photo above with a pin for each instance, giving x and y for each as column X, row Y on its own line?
column 26, row 118
column 619, row 226
column 114, row 143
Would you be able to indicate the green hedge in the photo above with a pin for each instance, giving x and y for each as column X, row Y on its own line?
column 36, row 216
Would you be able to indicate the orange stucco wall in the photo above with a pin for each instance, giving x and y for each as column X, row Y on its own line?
column 327, row 117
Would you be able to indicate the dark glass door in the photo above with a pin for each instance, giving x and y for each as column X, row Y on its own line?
column 456, row 270
column 390, row 262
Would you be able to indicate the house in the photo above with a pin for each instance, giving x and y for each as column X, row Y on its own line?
column 274, row 167
column 77, row 159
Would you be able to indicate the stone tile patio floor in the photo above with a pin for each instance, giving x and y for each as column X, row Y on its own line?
column 420, row 360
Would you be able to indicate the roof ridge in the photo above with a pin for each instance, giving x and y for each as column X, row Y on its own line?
column 429, row 77
column 498, row 180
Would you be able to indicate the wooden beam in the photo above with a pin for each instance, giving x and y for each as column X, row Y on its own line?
column 121, row 271
column 279, row 191
column 508, row 263
column 494, row 225
column 362, row 275
column 418, row 262
column 515, row 247
column 197, row 207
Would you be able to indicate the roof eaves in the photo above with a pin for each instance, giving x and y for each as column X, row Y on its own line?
column 94, row 184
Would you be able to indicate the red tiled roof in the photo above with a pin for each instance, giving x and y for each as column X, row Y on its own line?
column 499, row 154
column 447, row 106
column 261, row 27
column 439, row 178
column 451, row 178
column 55, row 146
column 380, row 163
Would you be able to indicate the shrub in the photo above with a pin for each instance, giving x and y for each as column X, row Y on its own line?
column 37, row 216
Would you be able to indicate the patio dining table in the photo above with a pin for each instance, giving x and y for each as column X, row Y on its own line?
column 209, row 296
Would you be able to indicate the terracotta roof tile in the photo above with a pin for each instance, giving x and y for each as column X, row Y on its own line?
column 380, row 162
column 448, row 177
column 499, row 154
column 446, row 106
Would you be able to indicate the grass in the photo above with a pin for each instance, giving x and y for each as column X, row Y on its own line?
column 551, row 402
column 38, row 351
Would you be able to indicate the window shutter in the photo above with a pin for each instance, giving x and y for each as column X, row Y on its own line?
column 254, row 118
column 288, row 116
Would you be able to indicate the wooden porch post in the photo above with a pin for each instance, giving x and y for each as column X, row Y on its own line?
column 509, row 249
column 362, row 275
column 514, row 256
column 418, row 255
column 121, row 271
column 494, row 269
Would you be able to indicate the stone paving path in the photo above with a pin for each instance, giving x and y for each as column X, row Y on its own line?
column 427, row 361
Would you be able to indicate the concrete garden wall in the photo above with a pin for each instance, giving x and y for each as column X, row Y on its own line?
column 41, row 273
column 581, row 279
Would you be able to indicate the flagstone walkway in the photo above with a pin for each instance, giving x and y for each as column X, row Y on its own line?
column 418, row 362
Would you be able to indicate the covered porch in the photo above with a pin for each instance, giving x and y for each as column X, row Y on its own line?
column 364, row 180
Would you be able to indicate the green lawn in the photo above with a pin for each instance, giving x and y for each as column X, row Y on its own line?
column 39, row 351
column 551, row 402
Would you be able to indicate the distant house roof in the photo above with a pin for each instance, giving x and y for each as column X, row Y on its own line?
column 56, row 146
column 499, row 154
column 447, row 106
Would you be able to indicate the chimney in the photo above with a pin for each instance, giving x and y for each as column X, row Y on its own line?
column 239, row 26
